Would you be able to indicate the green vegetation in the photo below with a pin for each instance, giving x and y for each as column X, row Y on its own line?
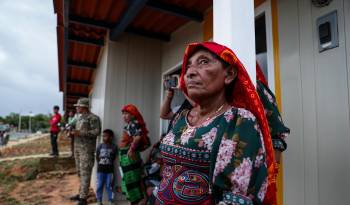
column 39, row 121
column 14, row 172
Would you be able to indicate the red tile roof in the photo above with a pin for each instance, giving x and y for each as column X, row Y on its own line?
column 87, row 25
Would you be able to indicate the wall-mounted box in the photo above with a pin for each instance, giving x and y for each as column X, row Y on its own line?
column 327, row 29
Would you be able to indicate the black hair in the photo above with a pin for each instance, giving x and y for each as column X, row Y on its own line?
column 109, row 132
column 56, row 107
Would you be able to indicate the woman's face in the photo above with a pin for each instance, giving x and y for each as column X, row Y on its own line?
column 206, row 76
column 127, row 117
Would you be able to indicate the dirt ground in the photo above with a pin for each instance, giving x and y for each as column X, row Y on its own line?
column 47, row 191
column 22, row 183
column 41, row 145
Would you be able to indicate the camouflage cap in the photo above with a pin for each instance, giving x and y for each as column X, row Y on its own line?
column 82, row 102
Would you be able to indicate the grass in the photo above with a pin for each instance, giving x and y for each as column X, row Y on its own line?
column 38, row 146
column 14, row 172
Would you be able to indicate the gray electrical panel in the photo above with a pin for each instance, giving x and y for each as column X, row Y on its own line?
column 327, row 29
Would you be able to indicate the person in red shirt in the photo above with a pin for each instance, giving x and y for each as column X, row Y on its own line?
column 54, row 130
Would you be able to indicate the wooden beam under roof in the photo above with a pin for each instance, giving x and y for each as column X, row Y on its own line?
column 148, row 34
column 176, row 11
column 78, row 82
column 134, row 8
column 77, row 95
column 87, row 41
column 82, row 65
column 89, row 22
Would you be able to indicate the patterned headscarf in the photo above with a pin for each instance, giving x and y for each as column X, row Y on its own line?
column 243, row 95
column 132, row 109
column 260, row 75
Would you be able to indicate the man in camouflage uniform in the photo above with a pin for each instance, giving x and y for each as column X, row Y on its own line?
column 87, row 128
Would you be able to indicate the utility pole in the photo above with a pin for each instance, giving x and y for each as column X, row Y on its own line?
column 19, row 122
column 30, row 122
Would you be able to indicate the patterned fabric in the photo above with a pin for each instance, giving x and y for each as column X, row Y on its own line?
column 141, row 129
column 277, row 128
column 240, row 169
column 186, row 105
column 89, row 127
column 131, row 169
column 133, row 128
column 260, row 75
column 105, row 156
column 132, row 109
column 243, row 95
column 131, row 175
column 84, row 162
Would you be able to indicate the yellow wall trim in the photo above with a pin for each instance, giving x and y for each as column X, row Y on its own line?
column 277, row 87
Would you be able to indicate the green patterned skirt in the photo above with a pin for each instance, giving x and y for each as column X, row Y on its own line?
column 131, row 176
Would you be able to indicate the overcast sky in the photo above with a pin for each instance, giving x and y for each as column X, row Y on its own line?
column 28, row 57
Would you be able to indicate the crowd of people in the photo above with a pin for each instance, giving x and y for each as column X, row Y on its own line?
column 222, row 146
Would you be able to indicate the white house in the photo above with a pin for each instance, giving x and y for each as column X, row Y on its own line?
column 117, row 52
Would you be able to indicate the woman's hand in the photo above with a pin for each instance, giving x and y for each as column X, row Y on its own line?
column 131, row 154
column 170, row 93
column 278, row 155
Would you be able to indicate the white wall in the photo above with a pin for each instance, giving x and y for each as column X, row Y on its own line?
column 133, row 76
column 173, row 51
column 315, row 101
column 98, row 94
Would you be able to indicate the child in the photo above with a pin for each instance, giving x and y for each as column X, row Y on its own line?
column 105, row 156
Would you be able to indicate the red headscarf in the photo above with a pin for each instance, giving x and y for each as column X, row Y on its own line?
column 243, row 95
column 260, row 75
column 132, row 109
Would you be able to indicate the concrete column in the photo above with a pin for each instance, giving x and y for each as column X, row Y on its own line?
column 234, row 27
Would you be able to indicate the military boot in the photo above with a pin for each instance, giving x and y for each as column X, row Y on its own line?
column 82, row 202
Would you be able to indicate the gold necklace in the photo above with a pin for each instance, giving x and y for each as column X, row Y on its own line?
column 213, row 115
column 216, row 112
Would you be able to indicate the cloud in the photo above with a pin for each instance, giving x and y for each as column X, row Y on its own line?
column 28, row 56
column 3, row 56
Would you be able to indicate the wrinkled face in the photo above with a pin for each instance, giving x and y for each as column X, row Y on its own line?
column 127, row 117
column 206, row 76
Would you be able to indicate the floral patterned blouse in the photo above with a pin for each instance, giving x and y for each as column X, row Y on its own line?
column 239, row 173
column 130, row 130
column 278, row 129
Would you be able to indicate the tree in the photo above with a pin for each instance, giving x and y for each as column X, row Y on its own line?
column 39, row 121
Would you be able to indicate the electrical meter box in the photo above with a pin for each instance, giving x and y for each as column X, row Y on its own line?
column 327, row 28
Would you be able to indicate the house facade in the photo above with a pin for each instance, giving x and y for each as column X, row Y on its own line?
column 118, row 52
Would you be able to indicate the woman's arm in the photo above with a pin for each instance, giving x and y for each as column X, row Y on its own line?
column 279, row 131
column 133, row 147
column 240, row 169
column 165, row 110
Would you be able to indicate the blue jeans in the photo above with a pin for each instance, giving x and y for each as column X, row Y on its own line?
column 104, row 180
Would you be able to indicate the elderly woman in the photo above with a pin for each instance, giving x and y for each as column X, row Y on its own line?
column 133, row 142
column 222, row 153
